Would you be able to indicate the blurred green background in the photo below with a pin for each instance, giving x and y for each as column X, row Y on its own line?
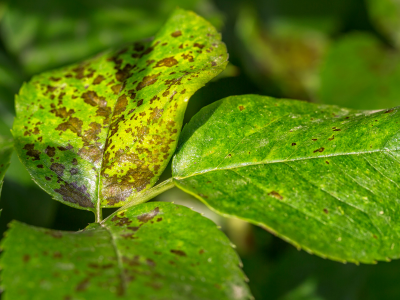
column 344, row 52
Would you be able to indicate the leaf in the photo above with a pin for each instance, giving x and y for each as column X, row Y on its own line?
column 323, row 178
column 97, row 133
column 151, row 251
column 384, row 15
column 359, row 72
column 6, row 148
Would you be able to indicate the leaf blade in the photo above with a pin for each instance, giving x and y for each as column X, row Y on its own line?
column 154, row 251
column 95, row 132
column 298, row 165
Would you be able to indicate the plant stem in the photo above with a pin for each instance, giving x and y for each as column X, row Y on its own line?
column 147, row 195
column 98, row 215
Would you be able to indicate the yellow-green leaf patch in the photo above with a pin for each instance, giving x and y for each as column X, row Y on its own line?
column 97, row 133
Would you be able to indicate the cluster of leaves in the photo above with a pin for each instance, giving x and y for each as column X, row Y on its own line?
column 99, row 134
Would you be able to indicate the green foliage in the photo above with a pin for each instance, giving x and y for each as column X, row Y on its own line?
column 385, row 15
column 6, row 148
column 341, row 82
column 100, row 133
column 103, row 130
column 285, row 165
column 45, row 34
column 151, row 251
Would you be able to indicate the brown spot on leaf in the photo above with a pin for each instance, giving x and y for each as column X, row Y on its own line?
column 50, row 151
column 293, row 144
column 121, row 221
column 58, row 169
column 147, row 80
column 198, row 45
column 276, row 195
column 326, row 211
column 61, row 112
column 73, row 124
column 26, row 258
column 148, row 216
column 83, row 285
column 176, row 33
column 178, row 252
column 241, row 107
column 98, row 79
column 31, row 152
column 75, row 194
column 389, row 111
column 319, row 150
column 166, row 62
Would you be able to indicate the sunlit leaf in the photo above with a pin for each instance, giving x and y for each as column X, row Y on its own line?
column 97, row 133
column 151, row 251
column 323, row 178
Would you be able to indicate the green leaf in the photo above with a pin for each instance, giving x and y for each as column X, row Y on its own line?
column 97, row 133
column 359, row 72
column 6, row 149
column 151, row 251
column 323, row 178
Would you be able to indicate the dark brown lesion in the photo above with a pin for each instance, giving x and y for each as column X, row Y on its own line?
column 50, row 151
column 75, row 194
column 144, row 218
column 147, row 80
column 31, row 152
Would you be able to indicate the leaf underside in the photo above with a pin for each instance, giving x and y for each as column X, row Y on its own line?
column 323, row 178
column 151, row 251
column 97, row 133
column 6, row 148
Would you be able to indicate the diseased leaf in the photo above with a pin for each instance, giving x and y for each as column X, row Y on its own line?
column 323, row 178
column 97, row 133
column 6, row 148
column 360, row 72
column 150, row 251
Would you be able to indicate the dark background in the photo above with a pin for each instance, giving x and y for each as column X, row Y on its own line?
column 343, row 52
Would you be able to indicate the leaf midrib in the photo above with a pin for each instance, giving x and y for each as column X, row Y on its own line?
column 283, row 161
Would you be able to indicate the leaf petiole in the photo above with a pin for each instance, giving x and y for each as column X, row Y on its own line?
column 147, row 195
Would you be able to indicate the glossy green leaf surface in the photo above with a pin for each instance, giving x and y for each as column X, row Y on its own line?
column 360, row 72
column 151, row 251
column 323, row 178
column 96, row 133
column 6, row 148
